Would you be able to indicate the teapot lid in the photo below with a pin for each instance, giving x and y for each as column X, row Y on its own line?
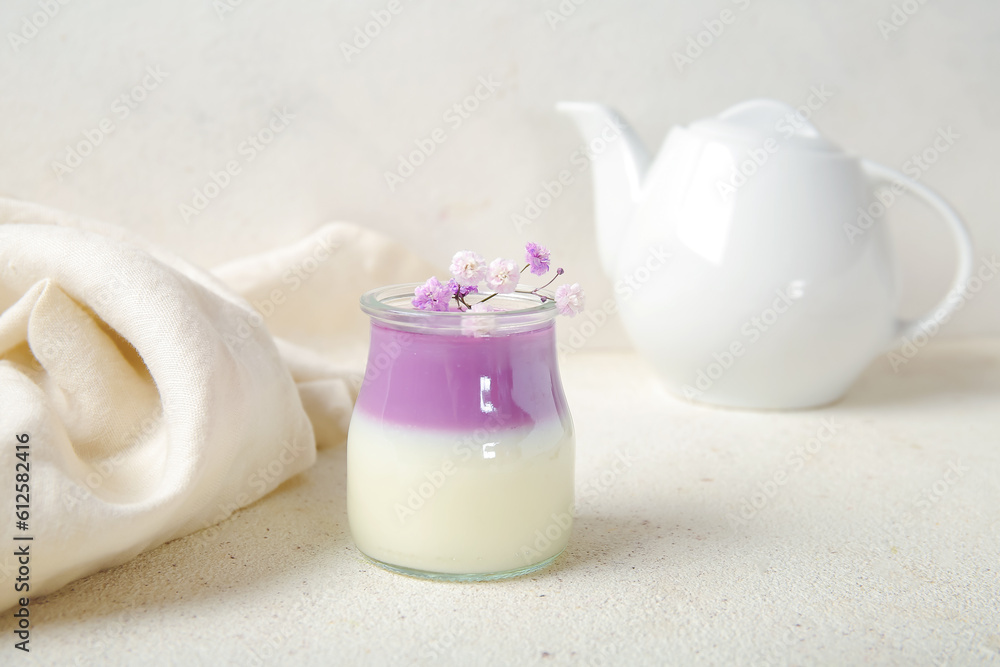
column 761, row 119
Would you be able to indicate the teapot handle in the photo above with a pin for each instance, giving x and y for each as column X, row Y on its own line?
column 943, row 310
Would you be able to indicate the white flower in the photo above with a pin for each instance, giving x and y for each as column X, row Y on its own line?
column 569, row 299
column 468, row 267
column 479, row 325
column 502, row 275
column 483, row 308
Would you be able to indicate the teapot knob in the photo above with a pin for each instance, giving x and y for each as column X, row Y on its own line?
column 762, row 118
column 763, row 114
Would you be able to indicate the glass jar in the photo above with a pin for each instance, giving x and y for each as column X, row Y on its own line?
column 460, row 452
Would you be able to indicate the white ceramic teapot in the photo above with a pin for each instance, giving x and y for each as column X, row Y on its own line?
column 778, row 288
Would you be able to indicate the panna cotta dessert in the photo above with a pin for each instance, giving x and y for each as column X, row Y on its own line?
column 460, row 452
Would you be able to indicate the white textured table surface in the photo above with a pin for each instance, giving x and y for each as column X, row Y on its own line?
column 879, row 546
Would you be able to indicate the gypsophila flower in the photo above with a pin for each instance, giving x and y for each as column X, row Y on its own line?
column 480, row 325
column 502, row 275
column 538, row 258
column 569, row 299
column 484, row 308
column 432, row 295
column 459, row 292
column 469, row 268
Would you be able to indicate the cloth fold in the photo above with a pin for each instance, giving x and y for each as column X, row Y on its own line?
column 306, row 294
column 154, row 398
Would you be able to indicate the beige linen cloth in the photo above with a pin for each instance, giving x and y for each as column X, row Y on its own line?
column 154, row 399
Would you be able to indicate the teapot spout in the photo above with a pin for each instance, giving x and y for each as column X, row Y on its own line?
column 619, row 163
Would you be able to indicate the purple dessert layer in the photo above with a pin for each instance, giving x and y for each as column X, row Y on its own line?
column 457, row 382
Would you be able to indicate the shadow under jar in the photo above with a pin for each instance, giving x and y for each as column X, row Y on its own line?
column 460, row 452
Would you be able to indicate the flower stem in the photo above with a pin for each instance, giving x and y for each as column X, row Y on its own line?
column 559, row 272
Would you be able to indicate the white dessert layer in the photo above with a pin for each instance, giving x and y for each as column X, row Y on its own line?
column 453, row 503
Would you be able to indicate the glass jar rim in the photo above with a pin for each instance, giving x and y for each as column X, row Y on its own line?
column 391, row 305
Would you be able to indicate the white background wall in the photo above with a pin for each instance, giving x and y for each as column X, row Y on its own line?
column 227, row 70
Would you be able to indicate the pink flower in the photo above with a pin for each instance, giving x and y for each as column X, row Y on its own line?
column 538, row 258
column 468, row 267
column 484, row 308
column 432, row 295
column 502, row 275
column 569, row 299
column 479, row 324
column 457, row 290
